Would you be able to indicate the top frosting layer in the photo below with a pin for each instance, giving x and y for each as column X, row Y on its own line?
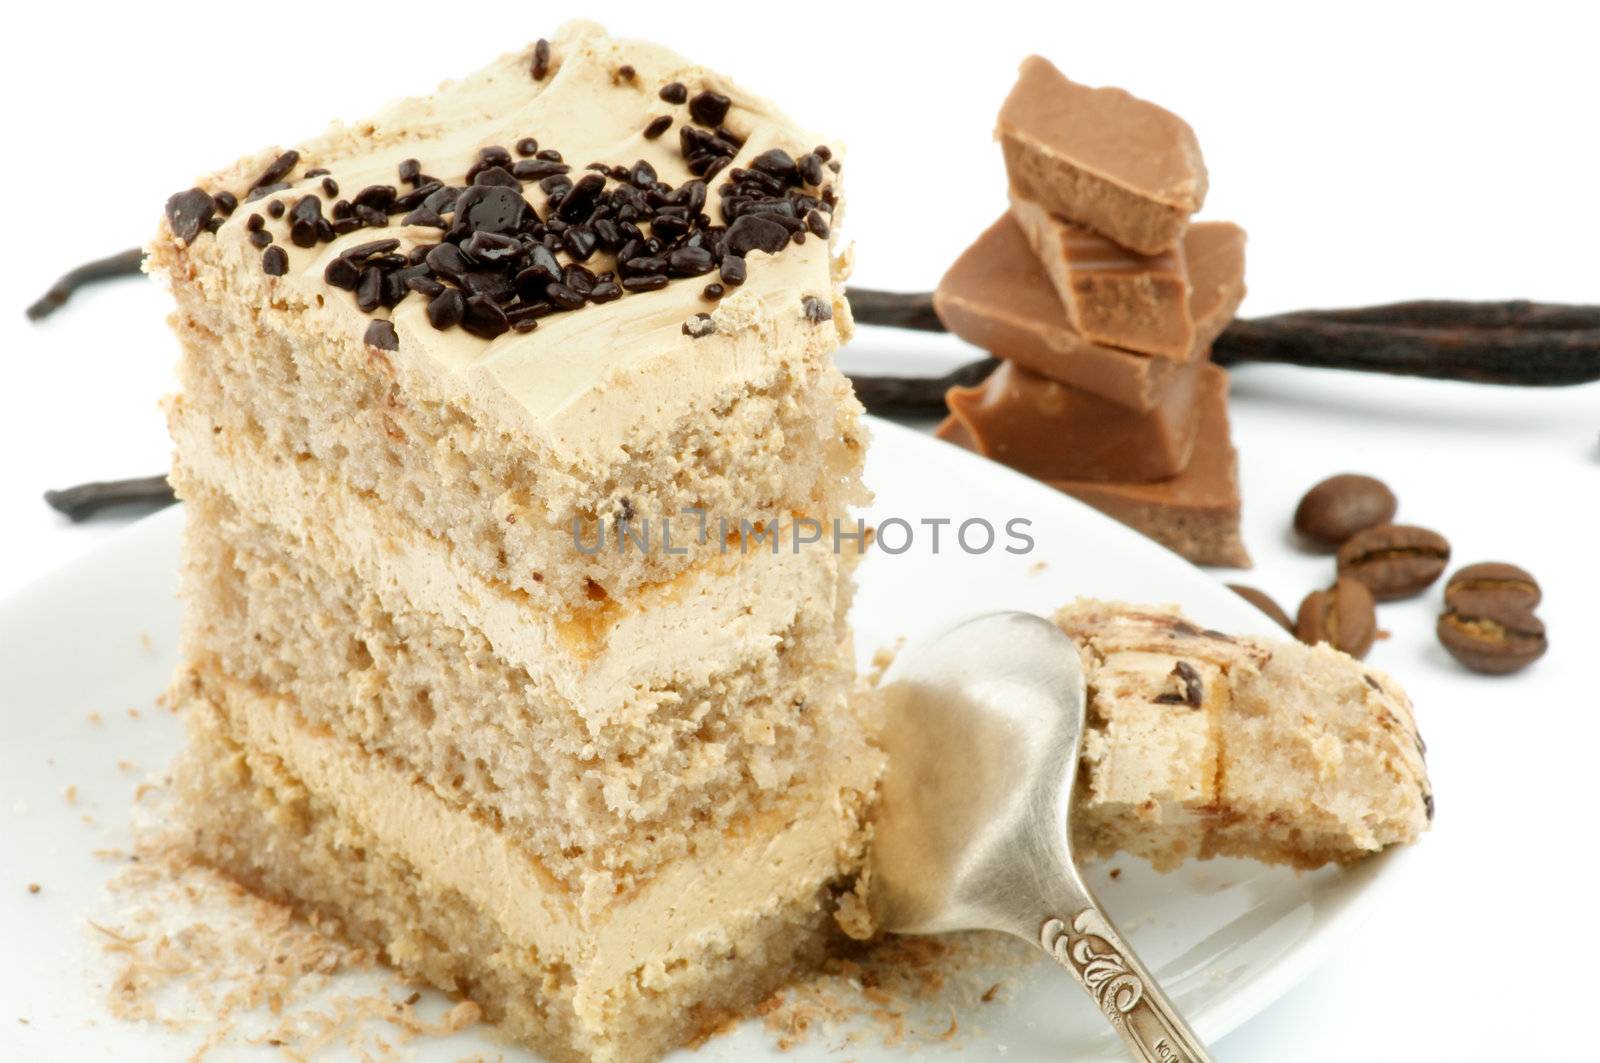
column 648, row 353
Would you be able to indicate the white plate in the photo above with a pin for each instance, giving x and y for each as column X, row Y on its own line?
column 1225, row 938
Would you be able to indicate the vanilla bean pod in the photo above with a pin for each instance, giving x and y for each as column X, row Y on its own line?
column 908, row 395
column 1518, row 342
column 1523, row 344
column 122, row 264
column 84, row 500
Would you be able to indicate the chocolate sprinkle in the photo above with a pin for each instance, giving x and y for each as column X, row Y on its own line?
column 502, row 262
column 277, row 170
column 275, row 261
column 541, row 59
column 674, row 92
column 658, row 125
column 1193, row 689
column 816, row 310
column 381, row 334
column 699, row 325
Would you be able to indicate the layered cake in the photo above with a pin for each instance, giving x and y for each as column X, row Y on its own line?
column 498, row 412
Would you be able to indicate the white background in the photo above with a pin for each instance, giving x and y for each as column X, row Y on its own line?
column 1372, row 154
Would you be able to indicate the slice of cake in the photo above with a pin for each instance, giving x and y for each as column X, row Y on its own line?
column 1205, row 744
column 502, row 415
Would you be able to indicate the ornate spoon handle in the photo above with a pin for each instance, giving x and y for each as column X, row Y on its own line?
column 1090, row 947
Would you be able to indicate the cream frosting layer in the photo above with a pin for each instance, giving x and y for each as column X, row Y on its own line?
column 582, row 383
column 729, row 881
column 716, row 614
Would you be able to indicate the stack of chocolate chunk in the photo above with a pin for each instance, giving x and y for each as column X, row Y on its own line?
column 1102, row 300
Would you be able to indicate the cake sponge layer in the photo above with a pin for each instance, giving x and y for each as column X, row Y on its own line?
column 253, row 818
column 597, row 806
column 783, row 441
column 713, row 615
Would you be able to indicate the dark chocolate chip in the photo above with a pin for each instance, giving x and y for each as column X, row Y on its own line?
column 541, row 59
column 645, row 283
column 275, row 261
column 381, row 334
column 754, row 233
column 188, row 212
column 342, row 274
column 535, row 169
column 816, row 310
column 489, row 208
column 699, row 325
column 709, row 108
column 674, row 92
column 527, row 146
column 483, row 318
column 446, row 309
column 657, row 125
column 276, row 170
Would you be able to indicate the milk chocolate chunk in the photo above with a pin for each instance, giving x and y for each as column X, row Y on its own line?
column 1195, row 513
column 1055, row 432
column 1113, row 295
column 1102, row 158
column 996, row 295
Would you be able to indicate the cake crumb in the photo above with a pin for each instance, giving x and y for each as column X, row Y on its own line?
column 1115, row 872
column 95, row 719
column 898, row 991
column 1038, row 566
column 195, row 954
column 34, row 887
column 70, row 794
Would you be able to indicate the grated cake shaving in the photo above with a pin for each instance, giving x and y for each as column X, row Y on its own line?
column 193, row 953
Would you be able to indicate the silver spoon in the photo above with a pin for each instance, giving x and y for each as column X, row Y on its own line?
column 982, row 727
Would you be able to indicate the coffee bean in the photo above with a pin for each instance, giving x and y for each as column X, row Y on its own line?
column 1488, row 622
column 1342, row 505
column 1491, row 584
column 1261, row 601
column 1343, row 616
column 1394, row 560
